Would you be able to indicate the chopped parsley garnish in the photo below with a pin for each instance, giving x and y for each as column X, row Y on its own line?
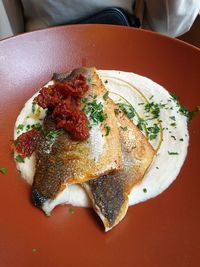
column 61, row 131
column 33, row 107
column 174, row 97
column 105, row 96
column 183, row 110
column 173, row 118
column 153, row 108
column 153, row 131
column 20, row 128
column 106, row 81
column 107, row 127
column 157, row 167
column 71, row 210
column 36, row 126
column 94, row 111
column 89, row 125
column 144, row 190
column 53, row 134
column 19, row 159
column 181, row 139
column 28, row 127
column 127, row 109
column 89, row 80
column 153, row 112
column 124, row 128
column 173, row 124
column 3, row 170
column 84, row 100
column 140, row 123
column 172, row 136
column 163, row 105
column 173, row 153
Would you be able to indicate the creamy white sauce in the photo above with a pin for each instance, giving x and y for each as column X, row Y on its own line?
column 135, row 89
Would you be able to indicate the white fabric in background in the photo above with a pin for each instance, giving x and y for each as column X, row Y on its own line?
column 11, row 18
column 170, row 17
column 5, row 27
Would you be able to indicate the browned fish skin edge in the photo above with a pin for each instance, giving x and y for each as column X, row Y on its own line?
column 37, row 199
column 108, row 198
column 119, row 217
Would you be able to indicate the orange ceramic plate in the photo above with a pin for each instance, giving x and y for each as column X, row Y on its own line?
column 160, row 232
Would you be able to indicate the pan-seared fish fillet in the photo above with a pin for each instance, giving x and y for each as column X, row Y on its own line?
column 61, row 160
column 110, row 193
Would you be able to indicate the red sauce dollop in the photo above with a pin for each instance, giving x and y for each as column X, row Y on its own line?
column 27, row 142
column 63, row 99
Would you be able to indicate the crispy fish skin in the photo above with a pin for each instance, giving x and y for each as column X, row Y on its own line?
column 61, row 160
column 107, row 194
column 110, row 193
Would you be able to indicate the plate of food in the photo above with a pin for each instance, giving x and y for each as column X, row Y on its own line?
column 99, row 148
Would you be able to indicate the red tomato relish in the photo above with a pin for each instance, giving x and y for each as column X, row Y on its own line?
column 27, row 142
column 63, row 100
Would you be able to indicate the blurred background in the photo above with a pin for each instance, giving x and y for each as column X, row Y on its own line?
column 10, row 19
column 193, row 35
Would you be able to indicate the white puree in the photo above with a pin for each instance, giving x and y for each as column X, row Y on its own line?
column 164, row 168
